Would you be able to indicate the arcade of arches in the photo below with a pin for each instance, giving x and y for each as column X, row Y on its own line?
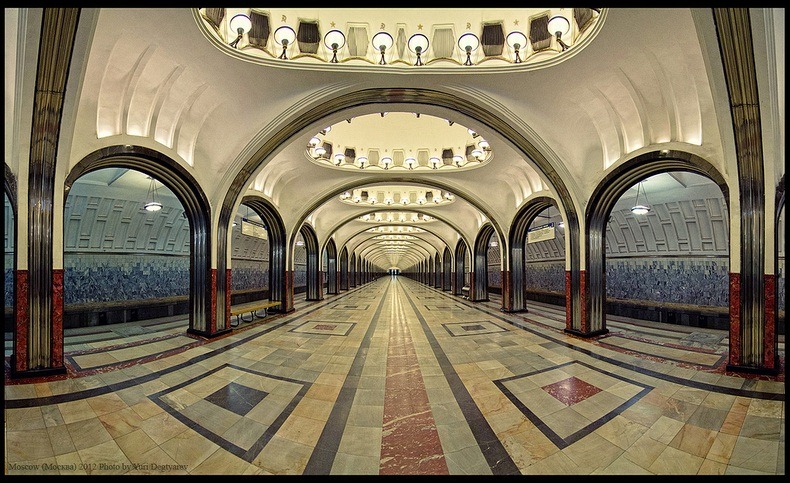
column 394, row 241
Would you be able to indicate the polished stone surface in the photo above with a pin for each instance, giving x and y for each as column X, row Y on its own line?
column 398, row 378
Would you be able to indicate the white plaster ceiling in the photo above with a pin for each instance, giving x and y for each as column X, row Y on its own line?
column 153, row 78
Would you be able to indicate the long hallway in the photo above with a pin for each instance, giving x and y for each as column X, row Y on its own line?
column 398, row 378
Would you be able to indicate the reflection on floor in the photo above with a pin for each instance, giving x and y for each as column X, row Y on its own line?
column 397, row 378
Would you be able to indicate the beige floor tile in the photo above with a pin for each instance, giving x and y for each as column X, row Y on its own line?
column 672, row 461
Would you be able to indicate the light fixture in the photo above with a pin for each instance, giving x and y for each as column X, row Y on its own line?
column 559, row 26
column 314, row 141
column 339, row 158
column 561, row 224
column 299, row 243
column 381, row 42
column 483, row 144
column 404, row 199
column 335, row 40
column 638, row 209
column 386, row 161
column 240, row 23
column 468, row 43
column 319, row 151
column 458, row 160
column 152, row 204
column 372, row 200
column 516, row 40
column 362, row 160
column 410, row 162
column 284, row 36
column 493, row 243
column 418, row 43
column 478, row 153
column 435, row 162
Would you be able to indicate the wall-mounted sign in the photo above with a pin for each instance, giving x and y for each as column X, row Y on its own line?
column 253, row 229
column 541, row 233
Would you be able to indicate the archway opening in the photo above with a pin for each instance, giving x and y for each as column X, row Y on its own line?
column 10, row 268
column 494, row 268
column 780, row 270
column 667, row 253
column 250, row 256
column 544, row 260
column 126, row 259
column 300, row 264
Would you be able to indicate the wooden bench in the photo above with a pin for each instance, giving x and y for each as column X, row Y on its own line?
column 252, row 308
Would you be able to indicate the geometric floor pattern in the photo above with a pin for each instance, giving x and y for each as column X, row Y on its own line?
column 395, row 377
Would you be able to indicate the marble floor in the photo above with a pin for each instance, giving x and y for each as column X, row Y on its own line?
column 397, row 378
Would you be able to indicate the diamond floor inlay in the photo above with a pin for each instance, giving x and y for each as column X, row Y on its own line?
column 237, row 398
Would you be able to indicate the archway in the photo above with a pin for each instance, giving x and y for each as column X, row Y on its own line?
column 480, row 271
column 126, row 255
column 275, row 230
column 461, row 278
column 251, row 252
column 10, row 216
column 601, row 205
column 376, row 96
column 313, row 268
column 344, row 269
column 515, row 283
column 447, row 269
column 352, row 271
column 196, row 208
column 330, row 252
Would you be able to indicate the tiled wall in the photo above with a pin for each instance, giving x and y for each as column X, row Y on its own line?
column 695, row 281
column 97, row 277
column 9, row 280
column 249, row 275
column 300, row 266
column 546, row 276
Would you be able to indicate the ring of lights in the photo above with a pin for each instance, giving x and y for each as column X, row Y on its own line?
column 452, row 146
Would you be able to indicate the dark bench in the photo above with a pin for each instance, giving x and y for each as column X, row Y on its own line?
column 252, row 308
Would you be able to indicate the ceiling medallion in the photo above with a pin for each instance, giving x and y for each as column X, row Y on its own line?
column 396, row 142
column 397, row 196
column 395, row 229
column 396, row 217
column 308, row 36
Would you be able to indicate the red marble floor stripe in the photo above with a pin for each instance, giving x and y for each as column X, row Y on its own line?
column 410, row 443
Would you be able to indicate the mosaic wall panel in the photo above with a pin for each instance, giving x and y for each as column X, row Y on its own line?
column 9, row 253
column 695, row 281
column 249, row 275
column 96, row 277
column 9, row 280
column 545, row 276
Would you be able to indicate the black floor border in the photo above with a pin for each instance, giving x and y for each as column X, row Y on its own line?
column 323, row 456
column 732, row 391
column 499, row 460
column 98, row 391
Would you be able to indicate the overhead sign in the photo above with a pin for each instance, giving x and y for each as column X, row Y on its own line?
column 253, row 229
column 541, row 233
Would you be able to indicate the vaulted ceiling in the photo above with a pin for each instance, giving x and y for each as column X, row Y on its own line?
column 634, row 81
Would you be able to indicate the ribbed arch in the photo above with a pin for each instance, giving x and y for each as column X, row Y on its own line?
column 344, row 269
column 437, row 271
column 460, row 266
column 516, row 240
column 314, row 284
column 383, row 96
column 602, row 201
column 352, row 270
column 331, row 267
column 480, row 263
column 276, row 232
column 202, row 285
column 447, row 269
